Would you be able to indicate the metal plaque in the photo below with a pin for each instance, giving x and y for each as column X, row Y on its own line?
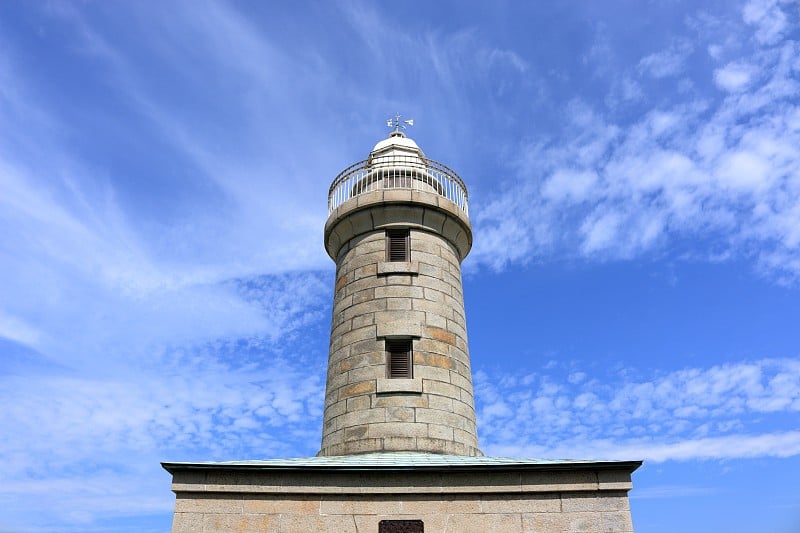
column 401, row 526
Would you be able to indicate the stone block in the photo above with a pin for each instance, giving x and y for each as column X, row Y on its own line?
column 596, row 501
column 398, row 279
column 403, row 215
column 277, row 504
column 363, row 320
column 364, row 199
column 367, row 372
column 432, row 373
column 386, row 386
column 467, row 437
column 438, row 431
column 366, row 271
column 427, row 269
column 454, row 327
column 366, row 243
column 360, row 334
column 365, row 359
column 461, row 360
column 397, row 429
column 343, row 280
column 434, row 360
column 430, row 445
column 477, row 523
column 440, row 334
column 188, row 481
column 358, row 403
column 224, row 523
column 616, row 521
column 443, row 403
column 466, row 395
column 558, row 480
column 435, row 416
column 432, row 346
column 432, row 259
column 442, row 389
column 337, row 409
column 199, row 503
column 397, row 195
column 360, row 505
column 399, row 304
column 390, row 444
column 425, row 197
column 614, row 480
column 399, row 414
column 356, row 389
column 362, row 446
column 187, row 522
column 358, row 418
column 457, row 377
column 433, row 295
column 364, row 295
column 369, row 347
column 340, row 353
column 547, row 502
column 336, row 380
column 432, row 307
column 434, row 219
column 292, row 523
column 333, row 437
column 432, row 319
column 398, row 291
column 460, row 408
column 400, row 400
column 384, row 268
column 356, row 432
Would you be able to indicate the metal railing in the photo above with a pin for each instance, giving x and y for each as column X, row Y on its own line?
column 397, row 172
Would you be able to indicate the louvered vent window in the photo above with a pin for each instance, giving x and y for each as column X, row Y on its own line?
column 398, row 358
column 397, row 248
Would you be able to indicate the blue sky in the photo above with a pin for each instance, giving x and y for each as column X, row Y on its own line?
column 633, row 291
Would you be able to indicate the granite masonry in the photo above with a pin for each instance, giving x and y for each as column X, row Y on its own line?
column 399, row 449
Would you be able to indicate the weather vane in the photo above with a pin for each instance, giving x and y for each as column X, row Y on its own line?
column 396, row 123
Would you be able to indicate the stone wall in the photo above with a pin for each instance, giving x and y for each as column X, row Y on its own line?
column 558, row 501
column 420, row 299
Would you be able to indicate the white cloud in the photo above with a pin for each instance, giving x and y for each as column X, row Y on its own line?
column 600, row 231
column 569, row 186
column 743, row 170
column 721, row 412
column 669, row 62
column 768, row 18
column 734, row 77
column 721, row 168
column 92, row 444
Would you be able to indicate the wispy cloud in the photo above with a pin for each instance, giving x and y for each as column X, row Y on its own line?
column 721, row 168
column 669, row 62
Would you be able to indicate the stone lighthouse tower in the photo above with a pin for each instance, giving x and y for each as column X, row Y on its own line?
column 399, row 374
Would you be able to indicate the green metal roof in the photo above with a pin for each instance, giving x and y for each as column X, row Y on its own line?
column 402, row 461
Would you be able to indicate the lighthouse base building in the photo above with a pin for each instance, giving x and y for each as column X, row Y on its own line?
column 401, row 492
column 399, row 450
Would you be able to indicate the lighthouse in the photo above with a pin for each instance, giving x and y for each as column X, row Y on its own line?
column 399, row 451
column 399, row 375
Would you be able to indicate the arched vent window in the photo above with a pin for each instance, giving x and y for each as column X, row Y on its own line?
column 399, row 359
column 397, row 245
